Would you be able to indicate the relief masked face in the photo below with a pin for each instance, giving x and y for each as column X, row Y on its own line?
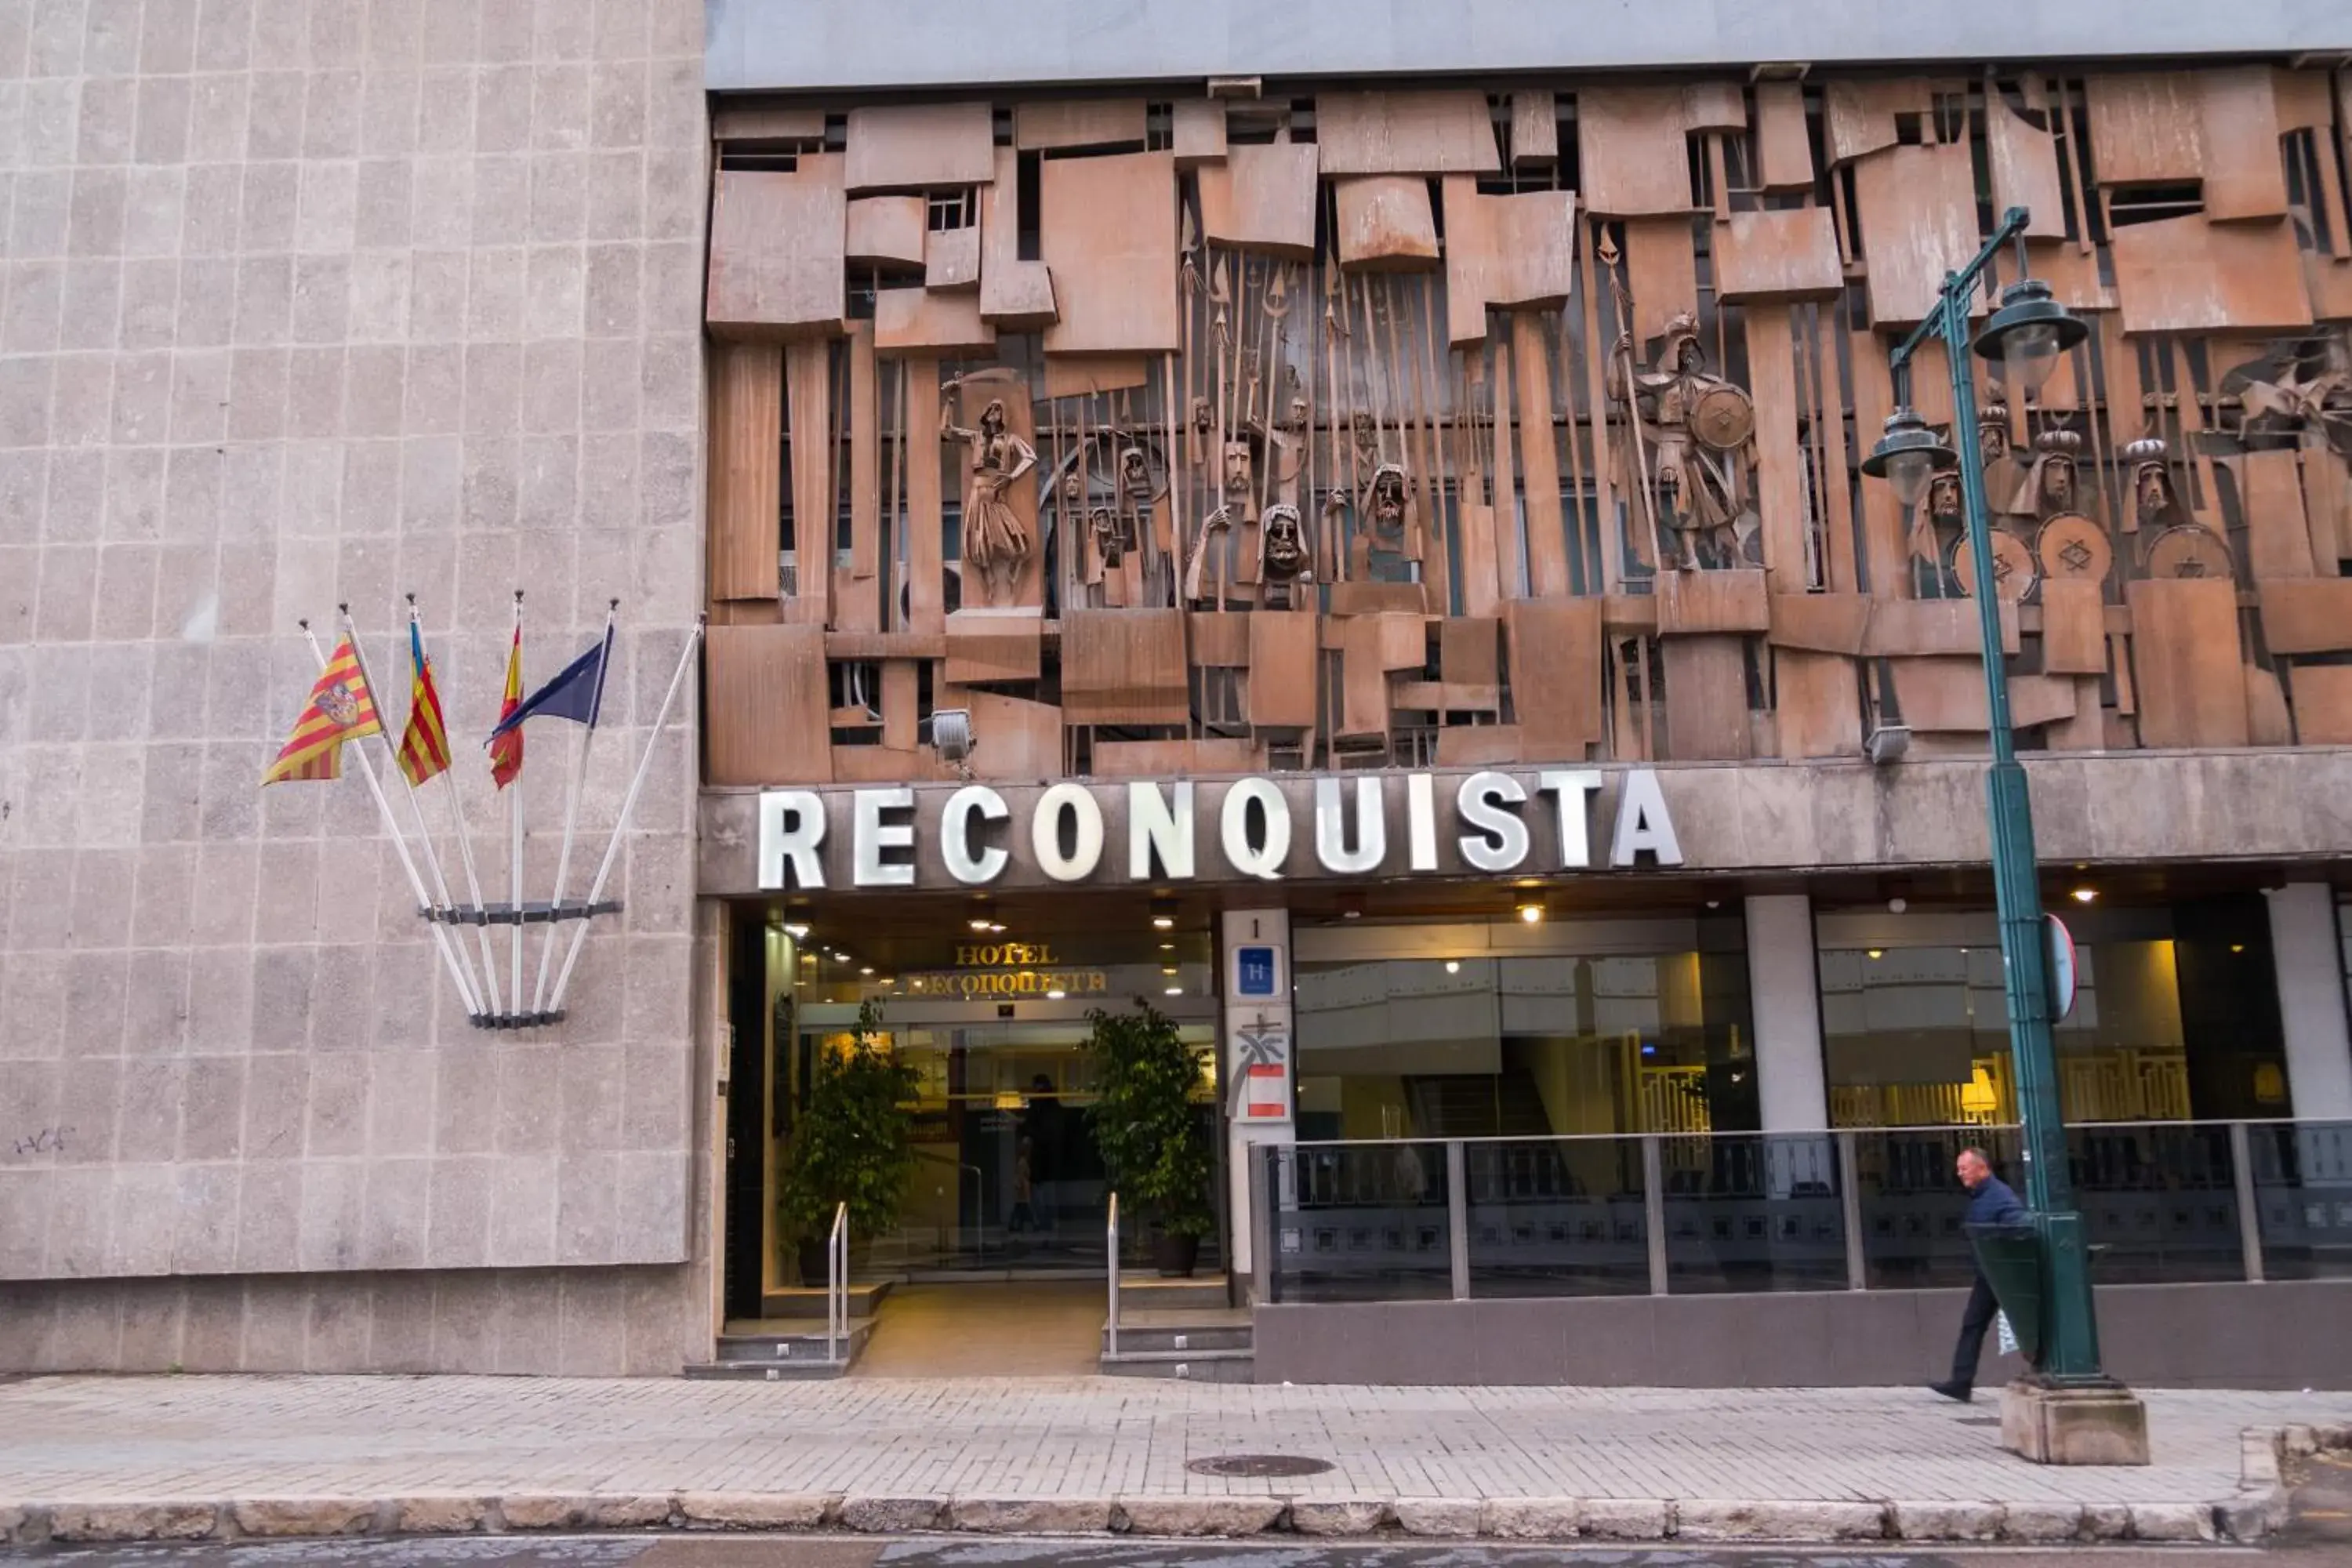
column 1944, row 496
column 1388, row 499
column 1992, row 443
column 1297, row 416
column 2058, row 486
column 1285, row 552
column 1136, row 472
column 992, row 419
column 2153, row 491
column 1202, row 414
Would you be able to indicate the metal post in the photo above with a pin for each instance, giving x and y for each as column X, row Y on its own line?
column 1261, row 1222
column 2250, row 1215
column 2073, row 1352
column 1458, row 1216
column 1654, row 1211
column 1857, row 1267
column 1110, row 1247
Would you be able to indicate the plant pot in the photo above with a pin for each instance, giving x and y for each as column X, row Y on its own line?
column 811, row 1261
column 1175, row 1256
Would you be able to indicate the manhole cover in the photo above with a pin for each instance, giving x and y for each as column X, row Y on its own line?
column 1258, row 1465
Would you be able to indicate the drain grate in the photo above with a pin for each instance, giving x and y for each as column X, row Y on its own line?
column 1258, row 1465
column 1979, row 1421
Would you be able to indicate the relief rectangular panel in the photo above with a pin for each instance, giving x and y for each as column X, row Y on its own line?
column 1900, row 627
column 1706, row 700
column 747, row 469
column 1554, row 646
column 1858, row 117
column 2025, row 166
column 917, row 146
column 1781, row 489
column 1916, row 210
column 1090, row 375
column 732, row 121
column 886, row 231
column 2073, row 627
column 2186, row 656
column 952, row 258
column 926, row 573
column 1784, row 146
column 764, row 692
column 808, row 408
column 2311, row 615
column 1535, row 127
column 1816, row 704
column 776, row 268
column 1261, row 198
column 1534, row 235
column 1125, row 667
column 1078, row 122
column 2146, row 129
column 2268, row 723
column 1176, row 759
column 860, row 607
column 1107, row 226
column 990, row 647
column 1820, row 623
column 1363, row 680
column 1444, row 132
column 1023, row 738
column 1947, row 696
column 1779, row 257
column 2323, row 704
column 1385, row 223
column 919, row 322
column 1470, row 651
column 1199, row 132
column 1662, row 270
column 2245, row 174
column 2186, row 275
column 2278, row 538
column 1631, row 153
column 1538, row 458
column 1283, row 662
column 1731, row 601
column 1220, row 639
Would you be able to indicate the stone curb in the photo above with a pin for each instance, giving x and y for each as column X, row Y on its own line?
column 2250, row 1516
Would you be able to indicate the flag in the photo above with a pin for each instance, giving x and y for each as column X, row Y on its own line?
column 340, row 709
column 425, row 745
column 576, row 693
column 506, row 751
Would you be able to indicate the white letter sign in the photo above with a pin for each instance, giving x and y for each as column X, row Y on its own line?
column 1642, row 822
column 964, row 864
column 870, row 836
column 1500, row 842
column 1265, row 861
column 1331, row 827
column 791, row 825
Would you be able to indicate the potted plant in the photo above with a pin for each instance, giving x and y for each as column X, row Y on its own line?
column 852, row 1145
column 1154, row 1147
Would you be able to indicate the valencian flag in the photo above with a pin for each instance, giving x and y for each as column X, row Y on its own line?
column 425, row 745
column 576, row 693
column 506, row 748
column 340, row 709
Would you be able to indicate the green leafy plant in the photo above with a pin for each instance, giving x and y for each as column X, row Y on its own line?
column 1153, row 1148
column 853, row 1143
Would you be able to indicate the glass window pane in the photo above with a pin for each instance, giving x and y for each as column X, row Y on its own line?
column 1557, row 1216
column 1912, row 1204
column 1360, row 1223
column 1752, row 1212
column 2302, row 1193
column 2158, row 1204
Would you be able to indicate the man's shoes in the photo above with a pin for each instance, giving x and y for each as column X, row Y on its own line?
column 1960, row 1392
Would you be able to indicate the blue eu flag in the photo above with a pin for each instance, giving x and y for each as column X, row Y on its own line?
column 576, row 693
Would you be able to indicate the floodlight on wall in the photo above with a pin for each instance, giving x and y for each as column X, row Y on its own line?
column 952, row 735
column 1887, row 743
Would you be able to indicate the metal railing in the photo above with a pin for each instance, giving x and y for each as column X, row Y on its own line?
column 1110, row 1252
column 1855, row 1209
column 837, row 1287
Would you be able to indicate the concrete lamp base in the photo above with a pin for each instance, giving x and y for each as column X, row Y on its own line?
column 2103, row 1425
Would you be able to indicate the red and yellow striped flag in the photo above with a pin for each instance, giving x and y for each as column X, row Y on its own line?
column 340, row 709
column 506, row 751
column 425, row 745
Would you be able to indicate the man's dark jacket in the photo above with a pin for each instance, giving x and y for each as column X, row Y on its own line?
column 1994, row 1203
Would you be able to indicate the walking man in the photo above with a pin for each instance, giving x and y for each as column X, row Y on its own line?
column 1990, row 1202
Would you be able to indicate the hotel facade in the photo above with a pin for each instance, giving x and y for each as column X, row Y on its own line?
column 1351, row 535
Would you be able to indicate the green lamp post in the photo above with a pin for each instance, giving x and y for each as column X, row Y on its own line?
column 2021, row 342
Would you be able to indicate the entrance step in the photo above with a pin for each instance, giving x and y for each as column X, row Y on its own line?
column 1188, row 1366
column 1145, row 1292
column 773, row 1352
column 1143, row 1331
column 864, row 1294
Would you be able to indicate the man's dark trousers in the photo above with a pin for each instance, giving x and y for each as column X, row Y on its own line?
column 1982, row 1305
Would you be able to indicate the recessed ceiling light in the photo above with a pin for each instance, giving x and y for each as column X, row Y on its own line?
column 1452, row 966
column 1175, row 991
column 2085, row 895
column 1055, row 995
column 867, row 970
column 980, row 925
column 1531, row 912
column 796, row 932
column 1876, row 952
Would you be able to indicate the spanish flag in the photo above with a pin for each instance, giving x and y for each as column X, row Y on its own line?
column 425, row 745
column 340, row 709
column 506, row 748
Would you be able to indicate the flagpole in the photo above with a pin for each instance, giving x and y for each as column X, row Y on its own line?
column 415, row 810
column 399, row 844
column 514, row 836
column 571, row 814
column 629, row 806
column 465, row 845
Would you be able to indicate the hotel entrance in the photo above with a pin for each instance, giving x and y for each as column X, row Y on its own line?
column 983, row 1014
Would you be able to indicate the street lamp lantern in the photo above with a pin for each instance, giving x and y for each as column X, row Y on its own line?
column 2028, row 334
column 2021, row 344
column 1909, row 454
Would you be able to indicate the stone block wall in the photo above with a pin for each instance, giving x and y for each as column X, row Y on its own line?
column 306, row 302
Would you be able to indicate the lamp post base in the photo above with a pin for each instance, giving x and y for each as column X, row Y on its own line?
column 2078, row 1425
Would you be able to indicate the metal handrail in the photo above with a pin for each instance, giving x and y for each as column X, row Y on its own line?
column 836, row 1285
column 1110, row 1247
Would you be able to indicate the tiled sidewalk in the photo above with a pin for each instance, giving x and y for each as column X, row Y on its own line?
column 219, row 1437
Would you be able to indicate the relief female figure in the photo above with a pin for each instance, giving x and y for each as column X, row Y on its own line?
column 995, row 542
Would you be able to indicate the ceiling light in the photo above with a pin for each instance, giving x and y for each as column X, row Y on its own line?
column 2085, row 895
column 980, row 924
column 2237, row 947
column 1452, row 966
column 1531, row 912
column 867, row 970
column 1876, row 952
column 997, row 928
column 1055, row 995
column 1175, row 991
column 1167, row 969
column 918, row 982
column 1166, row 947
column 1163, row 914
column 1164, row 923
column 796, row 932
